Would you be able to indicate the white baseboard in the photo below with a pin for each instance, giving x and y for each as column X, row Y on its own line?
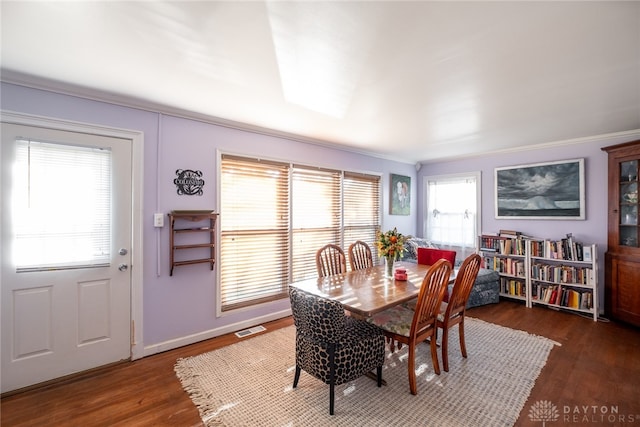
column 212, row 333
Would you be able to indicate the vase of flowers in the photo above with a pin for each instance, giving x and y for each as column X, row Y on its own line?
column 390, row 246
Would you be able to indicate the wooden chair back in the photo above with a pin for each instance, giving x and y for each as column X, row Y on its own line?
column 454, row 312
column 330, row 260
column 360, row 256
column 462, row 287
column 430, row 297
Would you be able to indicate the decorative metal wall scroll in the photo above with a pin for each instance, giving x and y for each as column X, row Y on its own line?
column 189, row 182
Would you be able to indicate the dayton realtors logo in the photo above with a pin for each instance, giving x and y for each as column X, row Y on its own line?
column 544, row 411
column 600, row 415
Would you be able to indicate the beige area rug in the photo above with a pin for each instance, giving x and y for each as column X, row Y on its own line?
column 250, row 384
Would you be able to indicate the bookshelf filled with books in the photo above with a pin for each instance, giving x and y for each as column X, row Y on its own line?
column 506, row 254
column 561, row 274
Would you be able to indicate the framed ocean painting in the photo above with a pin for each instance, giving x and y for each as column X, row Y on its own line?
column 552, row 190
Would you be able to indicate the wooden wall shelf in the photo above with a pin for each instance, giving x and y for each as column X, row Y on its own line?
column 189, row 222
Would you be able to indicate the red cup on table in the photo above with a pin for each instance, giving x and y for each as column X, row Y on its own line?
column 401, row 273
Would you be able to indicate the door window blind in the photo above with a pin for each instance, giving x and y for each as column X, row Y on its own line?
column 62, row 205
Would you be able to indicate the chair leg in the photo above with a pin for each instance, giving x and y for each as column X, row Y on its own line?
column 434, row 355
column 445, row 349
column 463, row 347
column 379, row 372
column 412, row 369
column 331, row 398
column 296, row 377
column 332, row 376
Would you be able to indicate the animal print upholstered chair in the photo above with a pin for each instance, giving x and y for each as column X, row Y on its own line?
column 331, row 346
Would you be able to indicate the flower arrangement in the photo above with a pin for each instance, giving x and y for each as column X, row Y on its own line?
column 390, row 244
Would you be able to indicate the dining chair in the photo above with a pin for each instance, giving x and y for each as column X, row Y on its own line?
column 360, row 256
column 452, row 312
column 406, row 326
column 331, row 346
column 330, row 260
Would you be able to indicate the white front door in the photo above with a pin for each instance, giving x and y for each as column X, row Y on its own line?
column 66, row 234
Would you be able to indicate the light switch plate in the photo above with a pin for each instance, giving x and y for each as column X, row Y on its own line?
column 158, row 220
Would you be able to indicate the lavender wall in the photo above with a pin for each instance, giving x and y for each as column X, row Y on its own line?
column 182, row 308
column 591, row 230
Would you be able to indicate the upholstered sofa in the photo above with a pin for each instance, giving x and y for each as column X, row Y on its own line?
column 486, row 289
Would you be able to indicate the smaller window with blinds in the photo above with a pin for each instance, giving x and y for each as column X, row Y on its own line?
column 452, row 214
column 62, row 206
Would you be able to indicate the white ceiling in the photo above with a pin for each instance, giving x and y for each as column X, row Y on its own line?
column 415, row 81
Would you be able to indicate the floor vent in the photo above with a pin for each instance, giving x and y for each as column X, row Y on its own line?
column 250, row 331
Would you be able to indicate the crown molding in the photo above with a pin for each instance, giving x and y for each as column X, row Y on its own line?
column 70, row 89
column 63, row 88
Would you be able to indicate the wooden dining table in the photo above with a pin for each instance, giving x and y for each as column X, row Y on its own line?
column 367, row 292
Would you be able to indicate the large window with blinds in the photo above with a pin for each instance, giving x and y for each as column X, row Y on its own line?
column 276, row 215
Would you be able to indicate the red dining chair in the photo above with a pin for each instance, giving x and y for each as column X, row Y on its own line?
column 429, row 256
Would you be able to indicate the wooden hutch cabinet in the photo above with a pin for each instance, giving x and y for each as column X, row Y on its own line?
column 622, row 259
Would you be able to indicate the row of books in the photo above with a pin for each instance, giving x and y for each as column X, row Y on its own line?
column 513, row 287
column 563, row 297
column 503, row 245
column 566, row 248
column 510, row 266
column 562, row 274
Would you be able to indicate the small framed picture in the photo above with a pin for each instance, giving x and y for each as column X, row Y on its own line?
column 400, row 201
column 586, row 254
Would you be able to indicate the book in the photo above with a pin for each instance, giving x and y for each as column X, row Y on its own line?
column 510, row 233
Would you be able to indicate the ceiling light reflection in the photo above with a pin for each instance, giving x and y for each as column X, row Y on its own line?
column 319, row 70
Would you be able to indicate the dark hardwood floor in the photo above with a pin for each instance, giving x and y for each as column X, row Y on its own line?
column 593, row 379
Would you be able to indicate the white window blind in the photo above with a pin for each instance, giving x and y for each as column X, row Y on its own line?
column 316, row 216
column 452, row 210
column 254, row 247
column 361, row 209
column 274, row 218
column 62, row 206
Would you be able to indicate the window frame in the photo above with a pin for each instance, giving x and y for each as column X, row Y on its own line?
column 76, row 237
column 477, row 175
column 292, row 166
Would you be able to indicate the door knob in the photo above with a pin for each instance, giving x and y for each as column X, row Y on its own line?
column 122, row 251
column 123, row 267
